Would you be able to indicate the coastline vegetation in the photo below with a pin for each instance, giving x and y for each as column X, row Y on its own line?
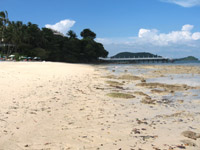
column 19, row 39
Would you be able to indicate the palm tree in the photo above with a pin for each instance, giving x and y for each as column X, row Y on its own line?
column 3, row 23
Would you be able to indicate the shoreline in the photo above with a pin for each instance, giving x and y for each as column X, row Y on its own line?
column 67, row 106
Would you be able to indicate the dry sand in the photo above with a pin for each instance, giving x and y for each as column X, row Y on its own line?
column 58, row 106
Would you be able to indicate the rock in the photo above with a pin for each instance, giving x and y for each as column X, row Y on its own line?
column 120, row 95
column 143, row 80
column 166, row 101
column 148, row 100
column 180, row 101
column 188, row 143
column 141, row 94
column 140, row 121
column 129, row 77
column 157, row 91
column 191, row 135
column 181, row 146
column 136, row 131
column 166, row 87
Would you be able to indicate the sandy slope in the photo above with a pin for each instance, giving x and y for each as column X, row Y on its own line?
column 64, row 106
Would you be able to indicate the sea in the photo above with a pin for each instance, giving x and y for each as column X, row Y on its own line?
column 189, row 79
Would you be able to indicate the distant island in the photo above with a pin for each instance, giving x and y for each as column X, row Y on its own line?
column 129, row 57
column 189, row 58
column 140, row 57
column 134, row 55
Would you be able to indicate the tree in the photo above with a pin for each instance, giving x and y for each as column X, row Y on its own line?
column 16, row 37
column 88, row 34
column 3, row 23
column 34, row 35
column 39, row 52
column 29, row 40
column 71, row 34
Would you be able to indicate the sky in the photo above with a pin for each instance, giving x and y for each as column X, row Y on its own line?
column 170, row 28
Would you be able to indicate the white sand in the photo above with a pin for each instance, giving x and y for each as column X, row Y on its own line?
column 58, row 106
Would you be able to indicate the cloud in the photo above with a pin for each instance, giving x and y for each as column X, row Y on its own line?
column 63, row 26
column 196, row 35
column 154, row 37
column 187, row 27
column 183, row 36
column 172, row 44
column 184, row 3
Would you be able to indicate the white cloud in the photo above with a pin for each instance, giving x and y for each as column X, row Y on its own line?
column 184, row 3
column 196, row 35
column 182, row 42
column 183, row 36
column 187, row 27
column 153, row 36
column 146, row 33
column 63, row 26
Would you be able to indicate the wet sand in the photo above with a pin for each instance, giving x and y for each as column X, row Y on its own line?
column 54, row 106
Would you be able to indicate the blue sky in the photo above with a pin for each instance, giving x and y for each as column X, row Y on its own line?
column 170, row 28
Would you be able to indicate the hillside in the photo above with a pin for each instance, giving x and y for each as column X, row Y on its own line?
column 189, row 58
column 131, row 55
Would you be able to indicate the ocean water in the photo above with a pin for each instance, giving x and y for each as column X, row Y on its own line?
column 189, row 79
column 120, row 68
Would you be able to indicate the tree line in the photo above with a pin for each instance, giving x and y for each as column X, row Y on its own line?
column 29, row 40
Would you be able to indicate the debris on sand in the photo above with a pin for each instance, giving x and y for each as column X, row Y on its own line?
column 141, row 121
column 144, row 138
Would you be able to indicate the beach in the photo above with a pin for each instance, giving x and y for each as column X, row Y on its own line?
column 61, row 106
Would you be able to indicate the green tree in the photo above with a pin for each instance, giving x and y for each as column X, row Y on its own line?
column 29, row 40
column 34, row 35
column 39, row 52
column 92, row 50
column 71, row 34
column 3, row 23
column 88, row 34
column 16, row 36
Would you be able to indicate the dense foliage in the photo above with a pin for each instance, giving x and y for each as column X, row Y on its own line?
column 29, row 40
